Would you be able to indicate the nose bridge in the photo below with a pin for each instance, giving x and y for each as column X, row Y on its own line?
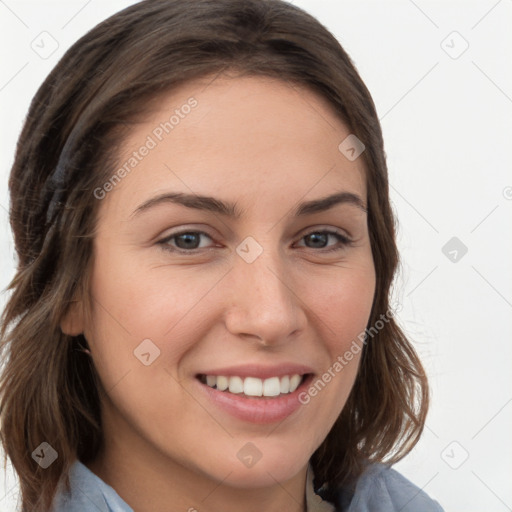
column 264, row 304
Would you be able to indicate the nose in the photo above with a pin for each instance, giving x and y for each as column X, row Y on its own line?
column 263, row 305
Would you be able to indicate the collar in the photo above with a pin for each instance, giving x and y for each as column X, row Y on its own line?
column 314, row 502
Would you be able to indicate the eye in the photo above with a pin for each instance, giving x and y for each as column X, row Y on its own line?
column 320, row 240
column 190, row 241
column 185, row 241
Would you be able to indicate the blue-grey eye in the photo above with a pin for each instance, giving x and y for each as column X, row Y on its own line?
column 320, row 240
column 187, row 240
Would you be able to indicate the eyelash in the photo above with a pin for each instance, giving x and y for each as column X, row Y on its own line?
column 164, row 243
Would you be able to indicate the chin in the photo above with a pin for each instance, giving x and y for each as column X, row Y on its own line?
column 253, row 468
column 263, row 474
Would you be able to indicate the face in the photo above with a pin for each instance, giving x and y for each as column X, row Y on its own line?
column 219, row 262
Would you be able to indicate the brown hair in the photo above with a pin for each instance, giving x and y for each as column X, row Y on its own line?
column 67, row 148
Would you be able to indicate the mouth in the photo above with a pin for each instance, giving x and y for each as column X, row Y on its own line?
column 253, row 386
column 260, row 400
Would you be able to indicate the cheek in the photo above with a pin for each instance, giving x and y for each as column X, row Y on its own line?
column 340, row 309
column 342, row 305
column 132, row 304
column 132, row 313
column 135, row 300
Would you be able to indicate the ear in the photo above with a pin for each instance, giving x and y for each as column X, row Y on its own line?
column 72, row 322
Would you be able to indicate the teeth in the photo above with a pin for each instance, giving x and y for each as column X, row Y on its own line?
column 271, row 387
column 285, row 384
column 294, row 382
column 236, row 385
column 252, row 386
column 222, row 383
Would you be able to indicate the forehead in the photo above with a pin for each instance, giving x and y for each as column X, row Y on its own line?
column 251, row 136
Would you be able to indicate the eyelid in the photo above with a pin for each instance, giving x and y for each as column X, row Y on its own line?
column 164, row 242
column 343, row 238
column 323, row 228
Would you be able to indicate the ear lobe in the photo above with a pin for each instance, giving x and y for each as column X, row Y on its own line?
column 72, row 322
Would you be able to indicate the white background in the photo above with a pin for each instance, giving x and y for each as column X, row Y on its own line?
column 447, row 128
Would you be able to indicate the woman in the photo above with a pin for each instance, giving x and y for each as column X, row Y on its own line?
column 200, row 315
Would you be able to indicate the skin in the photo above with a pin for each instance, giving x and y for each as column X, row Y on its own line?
column 265, row 146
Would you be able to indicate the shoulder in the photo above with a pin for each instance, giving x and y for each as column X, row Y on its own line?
column 87, row 492
column 381, row 488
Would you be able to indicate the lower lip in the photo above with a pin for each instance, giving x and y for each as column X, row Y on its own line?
column 256, row 410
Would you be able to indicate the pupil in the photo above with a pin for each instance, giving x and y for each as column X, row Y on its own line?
column 318, row 239
column 190, row 241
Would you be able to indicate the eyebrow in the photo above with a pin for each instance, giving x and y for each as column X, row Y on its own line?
column 211, row 204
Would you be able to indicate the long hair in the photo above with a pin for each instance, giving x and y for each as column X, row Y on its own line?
column 76, row 122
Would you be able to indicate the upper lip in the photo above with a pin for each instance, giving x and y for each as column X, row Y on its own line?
column 260, row 371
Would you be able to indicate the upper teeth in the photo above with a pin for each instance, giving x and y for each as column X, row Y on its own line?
column 252, row 386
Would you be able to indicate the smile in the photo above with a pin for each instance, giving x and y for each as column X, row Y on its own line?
column 254, row 394
column 254, row 386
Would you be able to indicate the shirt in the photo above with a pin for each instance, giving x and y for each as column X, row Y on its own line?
column 379, row 489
